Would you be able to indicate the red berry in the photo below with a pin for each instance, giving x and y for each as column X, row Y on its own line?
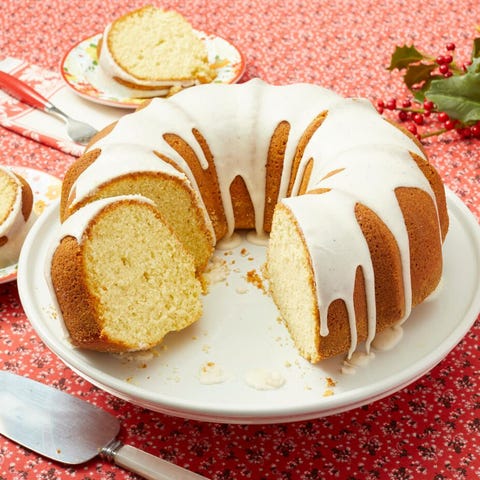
column 448, row 59
column 475, row 129
column 402, row 115
column 443, row 117
column 406, row 104
column 412, row 129
column 465, row 132
column 428, row 105
column 443, row 68
column 391, row 104
column 450, row 47
column 448, row 74
column 449, row 124
column 418, row 118
column 381, row 104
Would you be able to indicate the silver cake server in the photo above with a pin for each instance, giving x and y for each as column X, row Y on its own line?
column 79, row 132
column 71, row 431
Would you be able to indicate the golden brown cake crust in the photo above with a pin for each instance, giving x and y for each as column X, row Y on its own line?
column 339, row 337
column 207, row 179
column 387, row 267
column 302, row 144
column 79, row 308
column 72, row 174
column 27, row 197
column 438, row 189
column 275, row 160
column 419, row 213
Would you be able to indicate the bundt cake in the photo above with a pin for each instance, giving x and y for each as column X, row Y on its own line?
column 16, row 215
column 356, row 214
column 151, row 50
column 121, row 277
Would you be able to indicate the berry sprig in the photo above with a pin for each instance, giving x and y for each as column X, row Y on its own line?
column 445, row 95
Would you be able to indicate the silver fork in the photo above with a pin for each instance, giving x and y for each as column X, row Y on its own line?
column 79, row 132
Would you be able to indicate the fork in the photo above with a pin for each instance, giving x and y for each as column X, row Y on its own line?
column 79, row 132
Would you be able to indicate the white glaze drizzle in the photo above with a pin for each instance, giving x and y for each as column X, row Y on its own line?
column 264, row 379
column 387, row 339
column 354, row 137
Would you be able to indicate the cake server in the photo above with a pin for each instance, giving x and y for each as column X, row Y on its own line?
column 79, row 132
column 71, row 431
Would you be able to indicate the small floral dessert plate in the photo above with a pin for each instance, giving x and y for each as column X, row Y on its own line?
column 81, row 71
column 46, row 189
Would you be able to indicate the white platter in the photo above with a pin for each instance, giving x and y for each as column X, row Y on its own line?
column 240, row 332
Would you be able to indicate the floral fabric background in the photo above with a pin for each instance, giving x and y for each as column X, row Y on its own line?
column 428, row 430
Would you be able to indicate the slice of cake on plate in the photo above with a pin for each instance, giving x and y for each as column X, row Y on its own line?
column 153, row 50
column 16, row 215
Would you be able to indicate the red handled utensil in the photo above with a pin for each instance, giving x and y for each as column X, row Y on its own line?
column 79, row 132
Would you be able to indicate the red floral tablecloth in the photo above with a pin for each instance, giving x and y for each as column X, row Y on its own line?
column 430, row 429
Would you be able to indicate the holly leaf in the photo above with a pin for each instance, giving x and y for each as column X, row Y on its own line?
column 417, row 74
column 474, row 67
column 404, row 56
column 476, row 48
column 419, row 93
column 458, row 96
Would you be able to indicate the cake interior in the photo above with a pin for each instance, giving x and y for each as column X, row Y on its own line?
column 8, row 192
column 143, row 279
column 154, row 44
column 178, row 205
column 289, row 271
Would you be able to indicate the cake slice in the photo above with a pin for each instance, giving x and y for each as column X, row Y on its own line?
column 16, row 215
column 150, row 48
column 135, row 280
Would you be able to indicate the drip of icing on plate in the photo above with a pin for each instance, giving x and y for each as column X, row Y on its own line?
column 264, row 379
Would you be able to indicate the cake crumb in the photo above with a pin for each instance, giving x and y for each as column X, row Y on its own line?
column 328, row 393
column 255, row 279
column 264, row 271
column 216, row 271
column 330, row 382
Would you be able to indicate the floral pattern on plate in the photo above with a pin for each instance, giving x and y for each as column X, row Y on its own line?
column 81, row 71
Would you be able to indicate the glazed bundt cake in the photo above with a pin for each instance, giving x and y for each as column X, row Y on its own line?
column 16, row 215
column 121, row 277
column 152, row 50
column 356, row 214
